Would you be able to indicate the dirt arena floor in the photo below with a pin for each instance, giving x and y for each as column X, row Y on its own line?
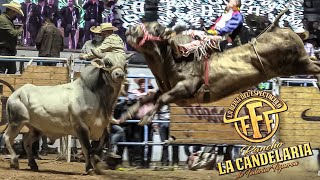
column 51, row 169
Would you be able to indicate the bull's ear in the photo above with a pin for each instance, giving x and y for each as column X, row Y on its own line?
column 97, row 63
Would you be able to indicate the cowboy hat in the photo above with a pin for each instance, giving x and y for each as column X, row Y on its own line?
column 108, row 27
column 138, row 80
column 302, row 33
column 95, row 29
column 312, row 37
column 14, row 6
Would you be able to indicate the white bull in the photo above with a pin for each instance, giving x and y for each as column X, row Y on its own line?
column 82, row 108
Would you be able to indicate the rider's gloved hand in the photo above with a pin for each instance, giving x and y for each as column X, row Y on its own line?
column 213, row 32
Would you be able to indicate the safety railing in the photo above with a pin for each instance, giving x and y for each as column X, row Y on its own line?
column 71, row 59
column 302, row 81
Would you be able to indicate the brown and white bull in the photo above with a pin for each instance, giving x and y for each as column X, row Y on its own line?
column 82, row 108
column 277, row 52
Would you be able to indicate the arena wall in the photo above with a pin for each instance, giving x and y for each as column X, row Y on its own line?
column 37, row 75
column 203, row 124
column 293, row 129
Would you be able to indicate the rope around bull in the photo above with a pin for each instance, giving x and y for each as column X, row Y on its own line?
column 253, row 42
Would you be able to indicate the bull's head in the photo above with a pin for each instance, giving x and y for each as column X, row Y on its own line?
column 144, row 35
column 115, row 66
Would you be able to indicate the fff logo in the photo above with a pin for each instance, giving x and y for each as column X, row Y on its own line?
column 251, row 114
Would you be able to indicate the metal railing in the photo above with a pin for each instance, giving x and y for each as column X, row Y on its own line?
column 302, row 81
column 30, row 60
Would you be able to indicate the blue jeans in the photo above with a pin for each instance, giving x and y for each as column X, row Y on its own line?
column 164, row 135
column 118, row 135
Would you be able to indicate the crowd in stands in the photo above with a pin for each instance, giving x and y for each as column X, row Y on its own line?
column 67, row 19
column 312, row 43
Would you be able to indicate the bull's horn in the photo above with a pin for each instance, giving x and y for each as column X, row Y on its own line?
column 98, row 54
column 128, row 56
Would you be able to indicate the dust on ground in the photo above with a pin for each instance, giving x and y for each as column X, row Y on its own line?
column 49, row 168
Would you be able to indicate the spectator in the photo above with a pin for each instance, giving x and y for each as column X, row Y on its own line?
column 314, row 27
column 9, row 36
column 92, row 17
column 49, row 41
column 304, row 35
column 309, row 46
column 31, row 21
column 305, row 23
column 117, row 131
column 164, row 114
column 70, row 17
column 136, row 132
column 41, row 5
column 316, row 31
column 51, row 11
column 111, row 44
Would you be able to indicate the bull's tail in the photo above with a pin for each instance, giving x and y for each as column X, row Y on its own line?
column 7, row 118
column 16, row 112
column 5, row 128
column 275, row 23
column 2, row 140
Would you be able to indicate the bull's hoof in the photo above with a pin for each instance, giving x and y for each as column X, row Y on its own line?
column 91, row 172
column 34, row 168
column 97, row 172
column 14, row 164
column 101, row 166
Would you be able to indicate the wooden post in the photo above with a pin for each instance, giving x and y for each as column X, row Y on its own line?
column 276, row 82
column 71, row 75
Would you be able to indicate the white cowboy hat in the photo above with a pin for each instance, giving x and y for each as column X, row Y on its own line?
column 14, row 6
column 137, row 80
column 95, row 29
column 108, row 27
column 302, row 33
